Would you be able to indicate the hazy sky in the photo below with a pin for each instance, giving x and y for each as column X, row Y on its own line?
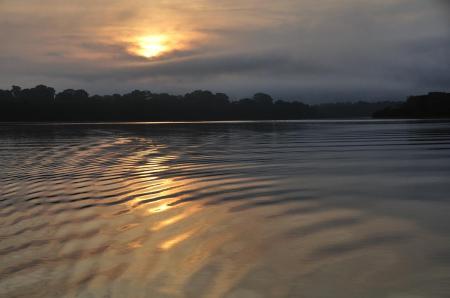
column 292, row 49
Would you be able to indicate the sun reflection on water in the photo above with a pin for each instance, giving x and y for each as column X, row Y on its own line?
column 168, row 244
column 158, row 209
column 172, row 220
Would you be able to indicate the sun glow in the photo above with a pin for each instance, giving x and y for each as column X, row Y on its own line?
column 169, row 44
column 152, row 46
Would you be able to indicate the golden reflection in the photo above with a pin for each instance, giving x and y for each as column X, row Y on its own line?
column 135, row 244
column 158, row 209
column 168, row 244
column 174, row 219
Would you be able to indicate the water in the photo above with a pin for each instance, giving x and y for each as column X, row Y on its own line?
column 287, row 209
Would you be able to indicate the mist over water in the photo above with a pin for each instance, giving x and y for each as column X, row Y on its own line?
column 242, row 209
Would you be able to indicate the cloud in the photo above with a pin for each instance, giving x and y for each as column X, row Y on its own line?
column 311, row 49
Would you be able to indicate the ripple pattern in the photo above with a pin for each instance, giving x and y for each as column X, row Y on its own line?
column 239, row 209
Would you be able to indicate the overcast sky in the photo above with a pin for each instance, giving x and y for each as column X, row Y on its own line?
column 313, row 50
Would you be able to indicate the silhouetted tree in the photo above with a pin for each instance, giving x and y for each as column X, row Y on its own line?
column 432, row 105
column 15, row 90
column 262, row 98
column 71, row 95
column 41, row 104
column 6, row 95
column 206, row 98
column 38, row 94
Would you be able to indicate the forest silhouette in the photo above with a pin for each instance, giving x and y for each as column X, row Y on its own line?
column 42, row 103
column 432, row 105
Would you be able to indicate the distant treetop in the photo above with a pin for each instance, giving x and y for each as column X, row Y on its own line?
column 42, row 103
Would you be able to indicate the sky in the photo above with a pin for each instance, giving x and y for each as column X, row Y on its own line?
column 310, row 50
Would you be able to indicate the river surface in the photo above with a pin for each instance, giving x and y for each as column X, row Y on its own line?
column 239, row 209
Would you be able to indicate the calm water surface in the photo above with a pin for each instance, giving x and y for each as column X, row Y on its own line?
column 287, row 209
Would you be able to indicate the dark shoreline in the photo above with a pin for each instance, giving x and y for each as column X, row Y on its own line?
column 43, row 104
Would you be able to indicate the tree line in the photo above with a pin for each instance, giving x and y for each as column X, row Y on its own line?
column 431, row 105
column 42, row 103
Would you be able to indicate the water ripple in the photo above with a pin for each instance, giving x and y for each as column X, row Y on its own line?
column 269, row 209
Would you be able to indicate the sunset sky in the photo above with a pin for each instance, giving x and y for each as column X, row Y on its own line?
column 305, row 49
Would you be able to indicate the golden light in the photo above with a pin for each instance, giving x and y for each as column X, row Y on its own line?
column 151, row 46
column 168, row 244
column 174, row 219
column 160, row 208
column 160, row 45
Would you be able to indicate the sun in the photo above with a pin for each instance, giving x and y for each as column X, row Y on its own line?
column 151, row 46
column 155, row 46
